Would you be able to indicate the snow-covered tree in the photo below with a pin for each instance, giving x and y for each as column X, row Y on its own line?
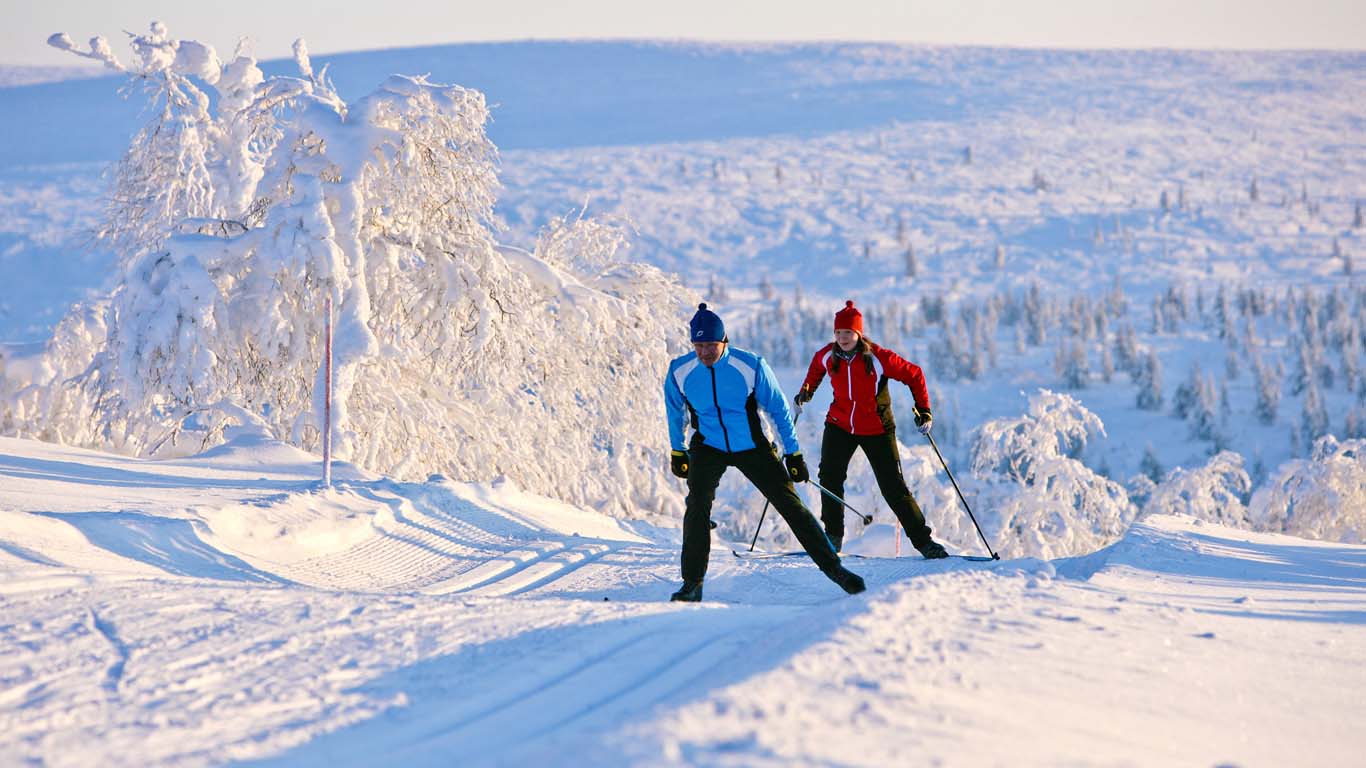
column 1314, row 415
column 1354, row 427
column 1126, row 349
column 1268, row 387
column 1187, row 392
column 452, row 352
column 1321, row 497
column 1150, row 466
column 1041, row 499
column 1071, row 364
column 1149, row 383
column 1216, row 492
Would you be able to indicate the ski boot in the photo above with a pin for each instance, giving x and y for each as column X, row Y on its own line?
column 690, row 592
column 836, row 541
column 848, row 580
column 931, row 550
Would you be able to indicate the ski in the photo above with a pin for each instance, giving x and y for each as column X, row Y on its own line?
column 969, row 558
column 743, row 555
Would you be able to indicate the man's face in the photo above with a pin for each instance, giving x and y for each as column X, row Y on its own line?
column 846, row 339
column 709, row 351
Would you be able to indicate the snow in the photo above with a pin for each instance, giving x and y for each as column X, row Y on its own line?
column 223, row 608
column 1007, row 219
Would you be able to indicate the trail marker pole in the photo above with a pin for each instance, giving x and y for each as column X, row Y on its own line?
column 327, row 389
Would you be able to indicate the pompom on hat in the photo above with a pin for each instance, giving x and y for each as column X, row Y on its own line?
column 849, row 319
column 706, row 326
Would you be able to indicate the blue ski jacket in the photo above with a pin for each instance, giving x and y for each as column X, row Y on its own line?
column 722, row 402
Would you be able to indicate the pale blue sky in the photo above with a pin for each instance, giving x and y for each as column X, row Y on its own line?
column 343, row 25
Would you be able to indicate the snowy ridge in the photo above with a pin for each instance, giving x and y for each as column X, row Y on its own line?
column 198, row 610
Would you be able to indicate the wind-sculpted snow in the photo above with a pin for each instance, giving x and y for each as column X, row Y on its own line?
column 224, row 608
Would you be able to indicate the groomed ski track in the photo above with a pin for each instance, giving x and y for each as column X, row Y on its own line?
column 224, row 609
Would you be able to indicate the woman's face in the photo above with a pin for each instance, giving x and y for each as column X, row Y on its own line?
column 846, row 339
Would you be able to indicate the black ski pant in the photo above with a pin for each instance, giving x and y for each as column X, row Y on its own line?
column 837, row 448
column 762, row 467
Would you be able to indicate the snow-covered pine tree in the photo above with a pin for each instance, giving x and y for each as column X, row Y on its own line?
column 452, row 353
column 1232, row 365
column 1313, row 415
column 1126, row 349
column 1354, row 425
column 1150, row 466
column 1073, row 367
column 1185, row 397
column 1149, row 383
column 1204, row 419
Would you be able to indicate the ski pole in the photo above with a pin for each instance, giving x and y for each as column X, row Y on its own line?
column 865, row 518
column 760, row 526
column 973, row 517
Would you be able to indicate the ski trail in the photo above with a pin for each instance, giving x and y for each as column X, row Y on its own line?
column 104, row 628
column 539, row 574
column 623, row 678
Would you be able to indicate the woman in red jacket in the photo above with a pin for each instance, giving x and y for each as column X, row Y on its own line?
column 861, row 417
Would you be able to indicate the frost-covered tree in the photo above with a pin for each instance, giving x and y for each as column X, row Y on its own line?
column 1322, row 497
column 1041, row 499
column 1150, row 466
column 1072, row 365
column 452, row 352
column 1232, row 365
column 1354, row 427
column 1187, row 392
column 1149, row 383
column 1126, row 349
column 1035, row 317
column 1268, row 388
column 1314, row 415
column 1217, row 492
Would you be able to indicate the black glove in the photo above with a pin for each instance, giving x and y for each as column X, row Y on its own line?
column 678, row 462
column 923, row 420
column 803, row 396
column 796, row 467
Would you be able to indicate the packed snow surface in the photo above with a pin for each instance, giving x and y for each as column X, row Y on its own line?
column 224, row 607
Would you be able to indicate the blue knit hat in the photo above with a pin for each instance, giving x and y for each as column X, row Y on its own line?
column 706, row 326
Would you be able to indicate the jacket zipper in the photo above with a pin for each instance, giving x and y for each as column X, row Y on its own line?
column 849, row 376
column 725, row 435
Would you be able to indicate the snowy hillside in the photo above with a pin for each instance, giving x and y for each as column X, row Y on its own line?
column 938, row 184
column 223, row 608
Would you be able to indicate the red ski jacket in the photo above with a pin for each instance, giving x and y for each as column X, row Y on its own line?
column 862, row 405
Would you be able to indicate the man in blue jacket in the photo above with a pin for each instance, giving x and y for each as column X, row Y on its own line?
column 719, row 391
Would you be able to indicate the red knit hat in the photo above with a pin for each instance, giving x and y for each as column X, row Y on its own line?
column 849, row 319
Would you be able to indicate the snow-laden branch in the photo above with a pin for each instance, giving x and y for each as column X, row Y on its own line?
column 239, row 216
